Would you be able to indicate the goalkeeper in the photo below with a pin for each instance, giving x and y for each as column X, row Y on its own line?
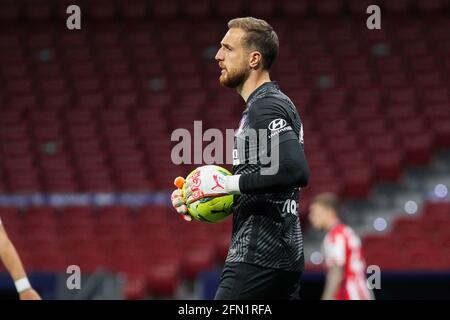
column 265, row 259
column 11, row 260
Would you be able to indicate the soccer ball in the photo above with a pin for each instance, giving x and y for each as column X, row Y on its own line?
column 213, row 209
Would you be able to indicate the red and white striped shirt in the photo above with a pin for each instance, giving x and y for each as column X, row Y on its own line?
column 342, row 247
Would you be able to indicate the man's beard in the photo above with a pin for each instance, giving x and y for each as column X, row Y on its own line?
column 234, row 77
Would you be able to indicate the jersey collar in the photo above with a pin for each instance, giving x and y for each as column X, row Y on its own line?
column 260, row 89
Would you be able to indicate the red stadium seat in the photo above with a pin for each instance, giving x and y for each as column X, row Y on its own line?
column 328, row 7
column 47, row 262
column 418, row 147
column 81, row 69
column 136, row 10
column 166, row 10
column 223, row 242
column 358, row 181
column 116, row 215
column 87, row 260
column 107, row 99
column 135, row 287
column 388, row 166
column 429, row 6
column 406, row 227
column 196, row 260
column 197, row 9
column 14, row 149
column 437, row 210
column 163, row 277
column 10, row 217
column 130, row 263
column 229, row 9
column 101, row 10
column 38, row 10
column 11, row 116
column 294, row 8
column 264, row 9
column 10, row 12
column 442, row 128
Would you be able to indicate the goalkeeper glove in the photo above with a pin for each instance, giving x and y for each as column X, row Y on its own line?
column 178, row 200
column 205, row 183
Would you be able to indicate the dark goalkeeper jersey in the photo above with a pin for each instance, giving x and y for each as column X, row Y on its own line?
column 266, row 225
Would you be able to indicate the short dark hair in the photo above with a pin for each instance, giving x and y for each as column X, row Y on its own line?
column 260, row 36
column 329, row 200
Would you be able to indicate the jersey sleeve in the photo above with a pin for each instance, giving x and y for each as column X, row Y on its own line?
column 270, row 115
column 291, row 168
column 334, row 248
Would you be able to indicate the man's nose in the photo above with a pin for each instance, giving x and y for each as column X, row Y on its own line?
column 219, row 56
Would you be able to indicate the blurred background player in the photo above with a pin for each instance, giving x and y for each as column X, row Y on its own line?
column 11, row 260
column 345, row 279
column 265, row 259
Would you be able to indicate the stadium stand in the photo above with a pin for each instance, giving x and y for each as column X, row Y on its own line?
column 92, row 111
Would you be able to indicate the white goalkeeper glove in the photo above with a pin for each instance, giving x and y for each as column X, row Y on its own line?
column 205, row 183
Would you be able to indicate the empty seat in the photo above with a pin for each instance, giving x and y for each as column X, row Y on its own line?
column 93, row 112
column 163, row 277
column 328, row 7
column 165, row 10
column 264, row 9
column 114, row 215
column 358, row 181
column 135, row 287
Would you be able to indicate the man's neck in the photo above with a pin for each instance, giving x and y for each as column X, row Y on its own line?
column 332, row 223
column 255, row 80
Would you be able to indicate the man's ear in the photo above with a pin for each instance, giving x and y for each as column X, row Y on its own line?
column 255, row 60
